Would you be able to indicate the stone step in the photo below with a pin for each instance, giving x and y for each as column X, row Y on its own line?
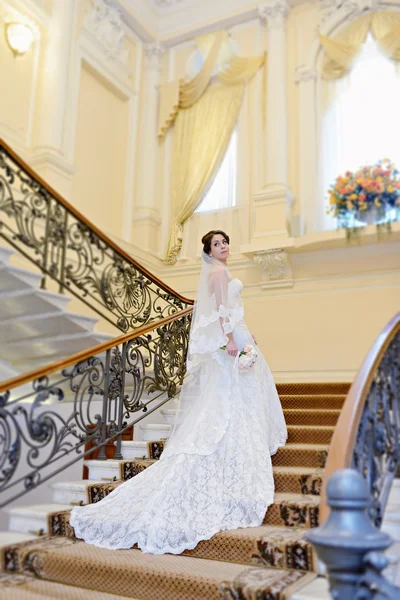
column 109, row 470
column 13, row 537
column 134, row 449
column 311, row 416
column 44, row 325
column 17, row 586
column 67, row 492
column 33, row 518
column 5, row 253
column 298, row 480
column 329, row 401
column 307, row 434
column 154, row 431
column 53, row 347
column 292, row 455
column 14, row 278
column 287, row 510
column 312, row 388
column 132, row 573
column 301, row 455
column 31, row 301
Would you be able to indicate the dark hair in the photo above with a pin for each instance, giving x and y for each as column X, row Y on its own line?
column 207, row 238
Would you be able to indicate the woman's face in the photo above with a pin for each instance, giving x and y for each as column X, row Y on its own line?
column 219, row 247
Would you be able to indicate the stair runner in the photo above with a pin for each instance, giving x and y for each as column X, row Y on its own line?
column 268, row 562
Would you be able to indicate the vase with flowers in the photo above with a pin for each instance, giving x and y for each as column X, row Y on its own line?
column 369, row 195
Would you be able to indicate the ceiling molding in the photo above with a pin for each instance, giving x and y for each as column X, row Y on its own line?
column 174, row 22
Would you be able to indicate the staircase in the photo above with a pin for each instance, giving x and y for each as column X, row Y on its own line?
column 35, row 325
column 40, row 555
column 232, row 562
column 232, row 565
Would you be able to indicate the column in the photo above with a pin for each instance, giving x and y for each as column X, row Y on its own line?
column 274, row 12
column 146, row 220
column 54, row 74
column 310, row 211
column 271, row 206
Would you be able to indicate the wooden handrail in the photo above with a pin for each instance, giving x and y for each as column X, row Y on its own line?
column 344, row 437
column 19, row 380
column 89, row 224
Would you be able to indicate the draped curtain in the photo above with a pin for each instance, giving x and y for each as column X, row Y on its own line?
column 341, row 51
column 201, row 138
column 204, row 111
column 340, row 54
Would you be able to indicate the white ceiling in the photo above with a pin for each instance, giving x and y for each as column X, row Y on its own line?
column 174, row 21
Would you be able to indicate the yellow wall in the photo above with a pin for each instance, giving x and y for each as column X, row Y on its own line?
column 19, row 86
column 100, row 153
column 317, row 325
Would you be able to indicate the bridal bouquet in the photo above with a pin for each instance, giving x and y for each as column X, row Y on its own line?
column 247, row 357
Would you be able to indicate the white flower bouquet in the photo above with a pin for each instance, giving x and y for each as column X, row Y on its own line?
column 246, row 358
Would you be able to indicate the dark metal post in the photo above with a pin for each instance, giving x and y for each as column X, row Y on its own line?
column 63, row 254
column 118, row 453
column 348, row 537
column 46, row 243
column 104, row 418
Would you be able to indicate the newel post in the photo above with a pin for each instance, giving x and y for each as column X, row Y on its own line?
column 350, row 545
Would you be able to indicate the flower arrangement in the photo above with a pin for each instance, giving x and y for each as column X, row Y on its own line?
column 247, row 357
column 372, row 189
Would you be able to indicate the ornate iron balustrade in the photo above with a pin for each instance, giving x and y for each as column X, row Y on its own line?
column 349, row 544
column 367, row 435
column 105, row 387
column 69, row 249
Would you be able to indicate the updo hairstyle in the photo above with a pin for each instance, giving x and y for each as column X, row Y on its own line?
column 207, row 239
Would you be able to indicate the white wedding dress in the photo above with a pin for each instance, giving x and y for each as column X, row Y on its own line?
column 216, row 475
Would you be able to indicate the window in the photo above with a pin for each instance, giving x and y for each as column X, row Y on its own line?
column 361, row 124
column 222, row 193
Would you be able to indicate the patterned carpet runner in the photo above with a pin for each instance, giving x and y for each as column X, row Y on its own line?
column 267, row 562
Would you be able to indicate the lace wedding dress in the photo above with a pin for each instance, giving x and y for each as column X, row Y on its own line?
column 215, row 472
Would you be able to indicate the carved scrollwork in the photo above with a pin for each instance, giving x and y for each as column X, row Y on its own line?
column 104, row 21
column 377, row 449
column 68, row 250
column 104, row 393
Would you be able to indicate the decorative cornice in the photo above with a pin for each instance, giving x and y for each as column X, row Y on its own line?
column 303, row 74
column 104, row 22
column 154, row 53
column 330, row 7
column 274, row 264
column 166, row 3
column 274, row 12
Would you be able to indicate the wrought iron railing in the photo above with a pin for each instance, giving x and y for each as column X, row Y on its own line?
column 103, row 391
column 69, row 249
column 367, row 435
column 350, row 546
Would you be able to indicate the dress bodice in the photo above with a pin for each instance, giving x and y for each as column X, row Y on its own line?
column 235, row 286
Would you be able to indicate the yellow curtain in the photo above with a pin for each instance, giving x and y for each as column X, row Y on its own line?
column 191, row 91
column 385, row 28
column 177, row 95
column 341, row 52
column 205, row 42
column 201, row 137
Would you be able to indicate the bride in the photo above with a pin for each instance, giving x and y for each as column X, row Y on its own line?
column 215, row 472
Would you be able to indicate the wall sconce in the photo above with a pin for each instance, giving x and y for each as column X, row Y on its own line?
column 19, row 37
